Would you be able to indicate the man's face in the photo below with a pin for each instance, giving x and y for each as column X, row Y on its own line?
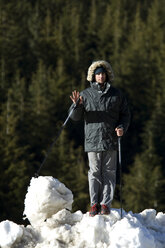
column 100, row 77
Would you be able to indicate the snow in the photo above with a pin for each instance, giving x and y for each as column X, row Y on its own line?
column 45, row 197
column 9, row 233
column 48, row 205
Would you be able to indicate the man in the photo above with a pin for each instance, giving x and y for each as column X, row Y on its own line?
column 106, row 116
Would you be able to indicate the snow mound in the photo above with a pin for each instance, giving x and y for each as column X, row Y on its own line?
column 47, row 205
column 9, row 233
column 45, row 197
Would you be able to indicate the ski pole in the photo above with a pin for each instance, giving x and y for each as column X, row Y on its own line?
column 120, row 169
column 57, row 136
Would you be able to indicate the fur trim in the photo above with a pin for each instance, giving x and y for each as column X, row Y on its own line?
column 99, row 63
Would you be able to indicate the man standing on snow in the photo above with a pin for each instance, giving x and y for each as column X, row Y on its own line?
column 106, row 116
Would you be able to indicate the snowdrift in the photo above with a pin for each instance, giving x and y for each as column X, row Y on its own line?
column 47, row 206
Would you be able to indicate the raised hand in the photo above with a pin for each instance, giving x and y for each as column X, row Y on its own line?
column 75, row 96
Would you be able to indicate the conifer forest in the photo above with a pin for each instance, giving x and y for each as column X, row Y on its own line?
column 46, row 48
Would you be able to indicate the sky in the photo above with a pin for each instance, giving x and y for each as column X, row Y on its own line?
column 48, row 205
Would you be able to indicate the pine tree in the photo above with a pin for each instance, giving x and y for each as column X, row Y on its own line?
column 144, row 184
column 15, row 160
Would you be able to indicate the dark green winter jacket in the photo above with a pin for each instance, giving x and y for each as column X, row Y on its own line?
column 103, row 110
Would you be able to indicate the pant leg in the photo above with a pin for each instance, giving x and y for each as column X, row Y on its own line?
column 94, row 176
column 109, row 165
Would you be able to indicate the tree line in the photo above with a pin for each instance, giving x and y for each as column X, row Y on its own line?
column 46, row 48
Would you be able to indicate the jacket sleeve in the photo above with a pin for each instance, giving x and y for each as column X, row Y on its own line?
column 125, row 116
column 77, row 113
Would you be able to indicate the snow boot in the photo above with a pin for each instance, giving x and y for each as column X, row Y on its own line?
column 94, row 210
column 104, row 210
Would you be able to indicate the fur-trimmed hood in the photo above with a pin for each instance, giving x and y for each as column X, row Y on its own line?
column 100, row 63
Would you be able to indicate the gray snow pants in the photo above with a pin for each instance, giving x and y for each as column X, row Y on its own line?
column 102, row 176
